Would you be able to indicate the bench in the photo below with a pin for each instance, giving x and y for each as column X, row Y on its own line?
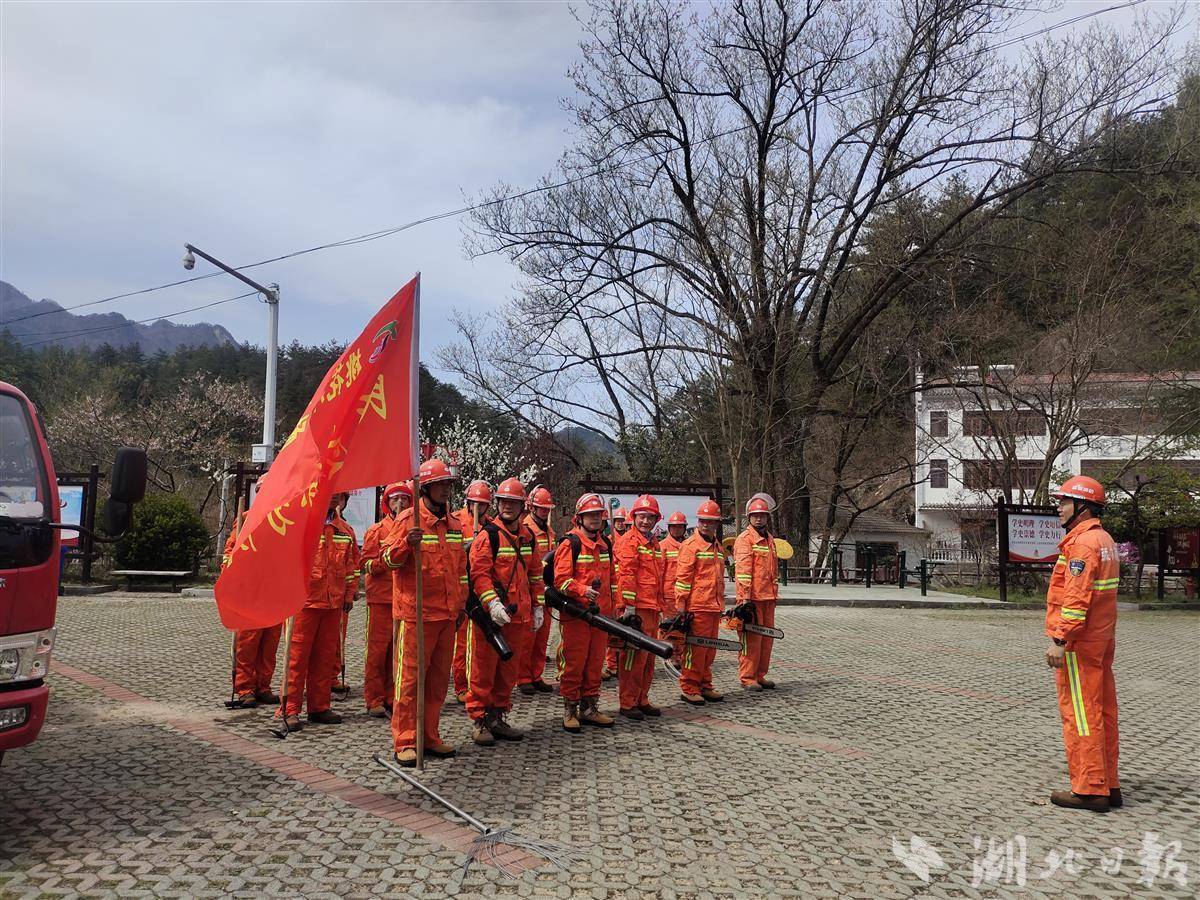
column 146, row 575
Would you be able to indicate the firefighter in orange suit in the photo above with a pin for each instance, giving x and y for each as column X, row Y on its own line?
column 434, row 527
column 640, row 568
column 584, row 572
column 339, row 666
column 1081, row 622
column 479, row 502
column 620, row 528
column 378, row 678
column 676, row 534
column 700, row 590
column 505, row 576
column 255, row 649
column 533, row 662
column 316, row 631
column 756, row 571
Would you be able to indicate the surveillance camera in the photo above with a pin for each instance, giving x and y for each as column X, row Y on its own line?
column 189, row 261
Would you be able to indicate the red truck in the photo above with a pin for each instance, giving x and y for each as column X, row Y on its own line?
column 29, row 559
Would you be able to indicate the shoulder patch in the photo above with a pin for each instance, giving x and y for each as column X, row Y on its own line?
column 1076, row 566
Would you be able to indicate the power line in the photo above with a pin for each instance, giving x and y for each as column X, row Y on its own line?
column 453, row 213
column 128, row 322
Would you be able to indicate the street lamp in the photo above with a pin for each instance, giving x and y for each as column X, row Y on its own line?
column 264, row 452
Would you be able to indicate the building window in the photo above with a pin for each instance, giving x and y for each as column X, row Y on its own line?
column 984, row 474
column 939, row 424
column 988, row 423
column 939, row 473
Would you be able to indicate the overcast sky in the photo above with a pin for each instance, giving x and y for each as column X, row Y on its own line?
column 252, row 130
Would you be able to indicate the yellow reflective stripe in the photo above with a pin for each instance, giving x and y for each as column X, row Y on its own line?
column 760, row 548
column 1106, row 584
column 399, row 665
column 645, row 550
column 743, row 578
column 585, row 557
column 1061, row 559
column 604, row 557
column 342, row 539
column 566, row 584
column 705, row 554
column 506, row 551
column 487, row 596
column 671, row 554
column 682, row 586
column 1081, row 723
column 462, row 579
column 454, row 537
column 470, row 652
column 629, row 595
column 1077, row 615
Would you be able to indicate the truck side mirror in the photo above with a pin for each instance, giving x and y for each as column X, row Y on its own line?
column 128, row 487
column 128, row 476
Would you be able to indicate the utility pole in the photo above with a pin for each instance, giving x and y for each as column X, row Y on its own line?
column 264, row 452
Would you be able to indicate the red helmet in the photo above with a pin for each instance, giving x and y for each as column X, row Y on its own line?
column 1080, row 487
column 393, row 490
column 510, row 489
column 709, row 510
column 619, row 514
column 757, row 505
column 434, row 470
column 540, row 497
column 479, row 492
column 761, row 495
column 645, row 503
column 589, row 503
column 677, row 518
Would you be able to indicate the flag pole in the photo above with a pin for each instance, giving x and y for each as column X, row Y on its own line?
column 418, row 602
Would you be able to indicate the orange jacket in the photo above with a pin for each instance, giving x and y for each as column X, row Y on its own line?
column 335, row 573
column 700, row 575
column 510, row 574
column 574, row 577
column 670, row 549
column 1081, row 604
column 468, row 526
column 443, row 566
column 543, row 544
column 756, row 566
column 640, row 566
column 378, row 576
column 231, row 541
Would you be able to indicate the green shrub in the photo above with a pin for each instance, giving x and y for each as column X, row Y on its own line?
column 166, row 534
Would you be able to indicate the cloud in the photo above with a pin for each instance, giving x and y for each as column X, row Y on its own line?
column 255, row 129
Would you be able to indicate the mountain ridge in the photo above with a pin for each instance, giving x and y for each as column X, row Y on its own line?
column 46, row 323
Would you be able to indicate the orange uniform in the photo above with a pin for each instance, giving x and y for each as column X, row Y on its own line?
column 316, row 631
column 756, row 570
column 255, row 649
column 581, row 647
column 640, row 588
column 1081, row 609
column 443, row 593
column 700, row 590
column 462, row 632
column 378, row 679
column 670, row 549
column 533, row 661
column 513, row 577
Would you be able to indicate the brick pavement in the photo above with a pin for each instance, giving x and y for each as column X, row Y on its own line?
column 887, row 725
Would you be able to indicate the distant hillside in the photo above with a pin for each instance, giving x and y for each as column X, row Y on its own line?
column 590, row 441
column 69, row 330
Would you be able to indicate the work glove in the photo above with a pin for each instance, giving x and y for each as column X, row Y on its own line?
column 539, row 617
column 497, row 611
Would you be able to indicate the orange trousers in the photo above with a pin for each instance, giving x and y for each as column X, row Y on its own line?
column 254, row 651
column 755, row 658
column 533, row 660
column 339, row 665
column 610, row 658
column 460, row 656
column 439, row 651
column 696, row 673
column 580, row 659
column 490, row 680
column 1087, row 700
column 378, row 681
column 312, row 662
column 635, row 668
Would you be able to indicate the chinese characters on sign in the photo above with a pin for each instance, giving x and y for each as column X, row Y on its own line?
column 1033, row 538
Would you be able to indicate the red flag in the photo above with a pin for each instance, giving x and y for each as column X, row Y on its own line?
column 359, row 429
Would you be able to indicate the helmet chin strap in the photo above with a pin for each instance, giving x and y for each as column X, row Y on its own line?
column 1076, row 511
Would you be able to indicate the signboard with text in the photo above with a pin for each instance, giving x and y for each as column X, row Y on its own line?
column 1033, row 538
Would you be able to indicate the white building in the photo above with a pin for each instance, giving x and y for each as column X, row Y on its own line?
column 978, row 432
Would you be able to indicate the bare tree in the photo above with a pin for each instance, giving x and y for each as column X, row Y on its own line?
column 730, row 167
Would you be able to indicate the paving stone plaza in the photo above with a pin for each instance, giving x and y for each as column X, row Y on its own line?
column 906, row 753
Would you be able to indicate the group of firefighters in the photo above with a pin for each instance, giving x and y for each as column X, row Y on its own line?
column 497, row 549
column 497, row 559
